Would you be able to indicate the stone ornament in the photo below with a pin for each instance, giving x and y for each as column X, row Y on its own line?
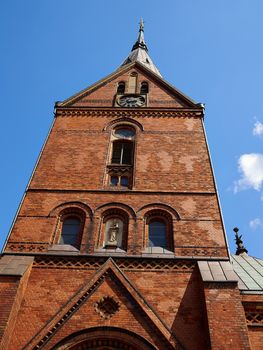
column 106, row 307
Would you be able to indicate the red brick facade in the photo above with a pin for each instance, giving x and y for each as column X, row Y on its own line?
column 88, row 296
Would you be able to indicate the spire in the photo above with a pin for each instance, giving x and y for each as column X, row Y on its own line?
column 139, row 52
column 240, row 246
column 140, row 41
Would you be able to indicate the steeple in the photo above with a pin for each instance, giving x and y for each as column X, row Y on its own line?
column 139, row 52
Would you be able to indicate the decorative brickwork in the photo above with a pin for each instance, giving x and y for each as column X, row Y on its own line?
column 254, row 318
column 129, row 113
column 106, row 307
column 123, row 263
column 254, row 313
column 26, row 247
column 200, row 251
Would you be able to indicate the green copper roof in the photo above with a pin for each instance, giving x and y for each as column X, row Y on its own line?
column 249, row 271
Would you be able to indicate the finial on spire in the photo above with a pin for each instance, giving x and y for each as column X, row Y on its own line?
column 240, row 246
column 141, row 25
column 140, row 43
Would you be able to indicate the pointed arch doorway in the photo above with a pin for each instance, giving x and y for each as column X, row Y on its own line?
column 104, row 338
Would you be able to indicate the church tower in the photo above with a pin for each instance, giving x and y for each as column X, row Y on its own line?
column 119, row 241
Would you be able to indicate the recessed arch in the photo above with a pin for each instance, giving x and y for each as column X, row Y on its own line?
column 71, row 205
column 115, row 205
column 158, row 206
column 97, row 337
column 123, row 121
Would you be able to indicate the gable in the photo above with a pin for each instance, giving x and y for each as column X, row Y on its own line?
column 103, row 93
column 108, row 281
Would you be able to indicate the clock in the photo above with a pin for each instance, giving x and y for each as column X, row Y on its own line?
column 131, row 101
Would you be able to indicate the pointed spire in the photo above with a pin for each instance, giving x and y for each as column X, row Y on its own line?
column 139, row 52
column 240, row 246
column 140, row 41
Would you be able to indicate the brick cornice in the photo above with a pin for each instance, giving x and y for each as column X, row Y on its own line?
column 129, row 113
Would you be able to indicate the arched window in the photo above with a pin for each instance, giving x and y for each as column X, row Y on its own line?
column 120, row 169
column 122, row 152
column 157, row 233
column 71, row 231
column 121, row 87
column 144, row 88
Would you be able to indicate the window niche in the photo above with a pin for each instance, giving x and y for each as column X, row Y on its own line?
column 114, row 230
column 132, row 83
column 121, row 159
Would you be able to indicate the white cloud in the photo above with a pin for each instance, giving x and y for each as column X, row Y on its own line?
column 258, row 129
column 255, row 223
column 251, row 168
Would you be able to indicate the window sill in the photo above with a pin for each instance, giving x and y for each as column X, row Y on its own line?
column 157, row 250
column 108, row 251
column 63, row 248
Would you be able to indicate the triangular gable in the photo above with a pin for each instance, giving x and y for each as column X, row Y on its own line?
column 175, row 94
column 83, row 295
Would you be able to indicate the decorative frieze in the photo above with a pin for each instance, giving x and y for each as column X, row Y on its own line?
column 255, row 318
column 128, row 113
column 132, row 264
column 26, row 247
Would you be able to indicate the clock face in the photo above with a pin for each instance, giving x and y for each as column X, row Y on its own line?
column 131, row 101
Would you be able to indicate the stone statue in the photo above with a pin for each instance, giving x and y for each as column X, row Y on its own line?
column 113, row 234
column 240, row 246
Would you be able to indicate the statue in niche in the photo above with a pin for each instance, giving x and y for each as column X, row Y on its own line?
column 113, row 234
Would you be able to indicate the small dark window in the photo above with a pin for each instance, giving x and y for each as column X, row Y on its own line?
column 114, row 180
column 157, row 234
column 122, row 153
column 125, row 181
column 121, row 87
column 144, row 88
column 70, row 231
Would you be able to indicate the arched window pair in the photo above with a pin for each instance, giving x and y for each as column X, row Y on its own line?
column 121, row 88
column 120, row 167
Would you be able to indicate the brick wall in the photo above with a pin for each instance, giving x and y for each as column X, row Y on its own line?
column 171, row 167
column 226, row 317
column 176, row 302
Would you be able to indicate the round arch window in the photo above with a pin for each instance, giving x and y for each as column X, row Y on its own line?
column 71, row 229
column 124, row 133
column 157, row 233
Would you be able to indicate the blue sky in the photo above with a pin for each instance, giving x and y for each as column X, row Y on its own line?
column 211, row 50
